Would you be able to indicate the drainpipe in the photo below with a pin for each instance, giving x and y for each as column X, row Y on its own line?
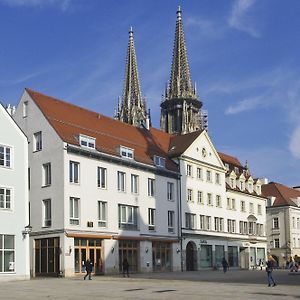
column 180, row 217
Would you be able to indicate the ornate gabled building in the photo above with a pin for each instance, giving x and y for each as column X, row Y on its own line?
column 180, row 107
column 132, row 109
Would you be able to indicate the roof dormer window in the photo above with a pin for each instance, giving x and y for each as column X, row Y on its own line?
column 236, row 170
column 126, row 152
column 87, row 141
column 159, row 161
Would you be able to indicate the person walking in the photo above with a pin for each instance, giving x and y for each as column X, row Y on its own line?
column 269, row 270
column 224, row 265
column 125, row 267
column 89, row 268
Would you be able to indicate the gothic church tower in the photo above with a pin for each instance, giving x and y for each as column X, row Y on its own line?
column 132, row 109
column 180, row 106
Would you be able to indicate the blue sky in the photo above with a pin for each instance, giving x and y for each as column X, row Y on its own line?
column 243, row 54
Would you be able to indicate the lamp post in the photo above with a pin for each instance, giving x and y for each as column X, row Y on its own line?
column 27, row 230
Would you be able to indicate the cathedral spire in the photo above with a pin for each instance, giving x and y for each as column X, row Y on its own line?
column 132, row 109
column 180, row 108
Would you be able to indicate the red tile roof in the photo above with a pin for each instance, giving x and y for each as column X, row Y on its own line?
column 231, row 160
column 69, row 121
column 283, row 194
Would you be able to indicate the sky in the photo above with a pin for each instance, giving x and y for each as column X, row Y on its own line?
column 243, row 55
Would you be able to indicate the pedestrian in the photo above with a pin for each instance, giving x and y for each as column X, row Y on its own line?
column 125, row 267
column 269, row 270
column 89, row 268
column 225, row 265
column 260, row 263
column 292, row 265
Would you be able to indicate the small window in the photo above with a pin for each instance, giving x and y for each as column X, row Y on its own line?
column 275, row 223
column 126, row 152
column 200, row 197
column 199, row 173
column 190, row 195
column 101, row 177
column 7, row 253
column 25, row 109
column 37, row 141
column 171, row 221
column 47, row 212
column 208, row 176
column 189, row 171
column 121, row 181
column 276, row 243
column 47, row 174
column 236, row 170
column 74, row 211
column 243, row 206
column 151, row 187
column 170, row 191
column 151, row 218
column 134, row 184
column 87, row 141
column 251, row 208
column 218, row 201
column 218, row 178
column 259, row 209
column 5, row 156
column 209, row 199
column 5, row 198
column 74, row 172
column 102, row 206
column 159, row 161
column 190, row 221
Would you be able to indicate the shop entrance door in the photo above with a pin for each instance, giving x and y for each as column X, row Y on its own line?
column 191, row 256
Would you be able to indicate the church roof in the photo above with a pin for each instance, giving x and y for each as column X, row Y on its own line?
column 231, row 160
column 69, row 121
column 282, row 193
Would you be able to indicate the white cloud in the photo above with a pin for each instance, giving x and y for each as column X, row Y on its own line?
column 61, row 4
column 239, row 19
column 244, row 105
column 294, row 145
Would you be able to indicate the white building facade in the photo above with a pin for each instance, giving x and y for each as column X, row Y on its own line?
column 99, row 190
column 14, row 217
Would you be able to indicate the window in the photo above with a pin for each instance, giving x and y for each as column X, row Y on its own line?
column 218, row 181
column 241, row 227
column 74, row 172
column 293, row 222
column 259, row 209
column 208, row 176
column 200, row 197
column 190, row 221
column 151, row 186
column 190, row 195
column 47, row 174
column 242, row 185
column 199, row 173
column 151, row 218
column 87, row 141
column 231, row 226
column 37, row 141
column 276, row 243
column 232, row 182
column 243, row 206
column 202, row 224
column 121, row 181
column 5, row 198
column 209, row 199
column 128, row 217
column 218, row 201
column 260, row 229
column 250, row 187
column 189, row 171
column 258, row 190
column 47, row 213
column 134, row 184
column 236, row 170
column 228, row 203
column 298, row 225
column 25, row 109
column 74, row 211
column 102, row 206
column 233, row 204
column 101, row 177
column 251, row 208
column 7, row 253
column 219, row 224
column 252, row 227
column 226, row 166
column 5, row 156
column 171, row 221
column 170, row 191
column 159, row 161
column 126, row 152
column 208, row 223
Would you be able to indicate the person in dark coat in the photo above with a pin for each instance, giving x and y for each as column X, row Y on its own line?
column 269, row 269
column 125, row 267
column 89, row 268
column 225, row 265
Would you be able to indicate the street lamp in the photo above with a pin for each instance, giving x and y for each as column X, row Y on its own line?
column 27, row 230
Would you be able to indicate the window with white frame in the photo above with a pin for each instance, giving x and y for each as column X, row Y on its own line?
column 241, row 225
column 159, row 161
column 170, row 191
column 47, row 174
column 276, row 243
column 189, row 170
column 102, row 207
column 25, row 109
column 128, row 217
column 208, row 223
column 243, row 206
column 218, row 201
column 251, row 208
column 5, row 156
column 260, row 229
column 199, row 173
column 151, row 218
column 5, row 198
column 171, row 221
column 236, row 170
column 252, row 227
column 74, row 172
column 47, row 220
column 231, row 226
column 87, row 141
column 232, row 182
column 202, row 222
column 275, row 223
column 242, row 185
column 74, row 211
column 219, row 224
column 7, row 253
column 228, row 203
column 200, row 197
column 233, row 204
column 258, row 189
column 101, row 177
column 218, row 180
column 151, row 187
column 209, row 199
column 126, row 152
column 208, row 176
column 37, row 141
column 189, row 195
column 190, row 221
column 293, row 222
column 298, row 225
column 259, row 209
column 250, row 187
column 121, row 181
column 134, row 184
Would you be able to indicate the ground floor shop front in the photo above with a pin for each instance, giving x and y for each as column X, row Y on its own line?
column 201, row 253
column 65, row 255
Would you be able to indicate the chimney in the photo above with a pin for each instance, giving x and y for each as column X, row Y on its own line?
column 264, row 180
column 271, row 200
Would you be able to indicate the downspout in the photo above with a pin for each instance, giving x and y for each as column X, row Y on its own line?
column 180, row 218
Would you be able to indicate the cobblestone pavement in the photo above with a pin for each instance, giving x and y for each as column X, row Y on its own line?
column 189, row 285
